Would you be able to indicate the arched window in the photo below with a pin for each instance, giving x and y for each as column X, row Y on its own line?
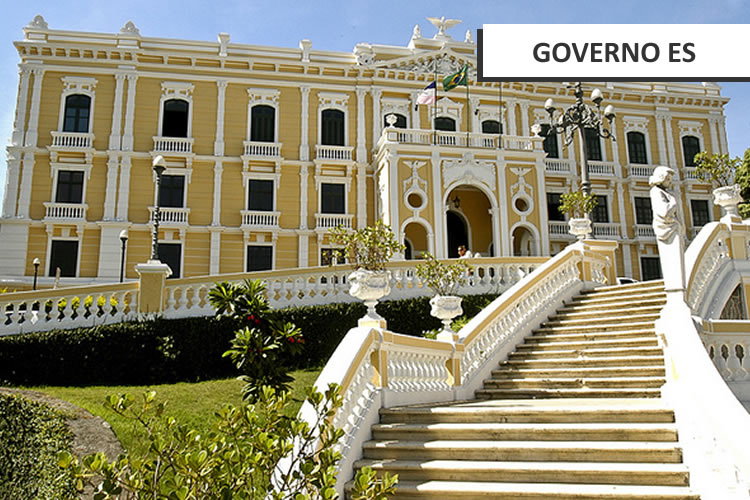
column 175, row 118
column 637, row 148
column 400, row 120
column 691, row 146
column 332, row 127
column 262, row 123
column 77, row 111
column 446, row 124
column 491, row 127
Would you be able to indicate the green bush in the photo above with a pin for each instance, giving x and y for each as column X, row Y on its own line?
column 31, row 436
column 190, row 349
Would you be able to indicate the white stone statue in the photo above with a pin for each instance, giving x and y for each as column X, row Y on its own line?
column 668, row 229
column 442, row 24
column 417, row 33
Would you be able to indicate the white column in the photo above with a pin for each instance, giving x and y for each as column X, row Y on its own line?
column 438, row 212
column 496, row 244
column 377, row 120
column 114, row 137
column 544, row 245
column 110, row 251
column 713, row 126
column 621, row 211
column 215, row 251
column 476, row 127
column 23, row 94
column 627, row 260
column 670, row 141
column 615, row 152
column 218, row 170
column 393, row 191
column 525, row 130
column 662, row 158
column 11, row 184
column 304, row 148
column 124, row 192
column 303, row 250
column 24, row 196
column 510, row 105
column 504, row 249
column 722, row 124
column 361, row 195
column 219, row 142
column 36, row 97
column 416, row 121
column 303, row 179
column 127, row 138
column 361, row 127
column 110, row 194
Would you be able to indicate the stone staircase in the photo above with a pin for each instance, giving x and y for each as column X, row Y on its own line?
column 574, row 413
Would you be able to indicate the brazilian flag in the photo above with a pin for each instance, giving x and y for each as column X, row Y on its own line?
column 450, row 82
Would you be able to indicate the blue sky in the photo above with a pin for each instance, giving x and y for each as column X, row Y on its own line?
column 339, row 25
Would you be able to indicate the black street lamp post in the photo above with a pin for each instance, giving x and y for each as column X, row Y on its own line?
column 159, row 166
column 36, row 263
column 124, row 240
column 580, row 117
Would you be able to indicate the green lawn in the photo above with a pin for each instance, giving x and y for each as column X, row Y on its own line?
column 190, row 403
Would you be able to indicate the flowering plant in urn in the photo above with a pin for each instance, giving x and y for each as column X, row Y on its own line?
column 719, row 170
column 577, row 205
column 444, row 279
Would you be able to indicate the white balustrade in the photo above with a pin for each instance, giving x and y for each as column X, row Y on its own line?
column 559, row 229
column 183, row 145
column 729, row 353
column 339, row 153
column 170, row 215
column 65, row 211
column 327, row 221
column 706, row 254
column 72, row 140
column 522, row 143
column 642, row 171
column 644, row 231
column 606, row 230
column 260, row 218
column 601, row 168
column 262, row 149
column 690, row 174
column 458, row 139
column 557, row 166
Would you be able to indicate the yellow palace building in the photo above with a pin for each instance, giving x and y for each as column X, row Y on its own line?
column 266, row 148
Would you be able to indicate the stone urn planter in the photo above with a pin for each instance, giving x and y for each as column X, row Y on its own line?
column 445, row 308
column 369, row 287
column 728, row 197
column 580, row 228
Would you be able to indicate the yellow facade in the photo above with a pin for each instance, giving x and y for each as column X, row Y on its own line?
column 327, row 152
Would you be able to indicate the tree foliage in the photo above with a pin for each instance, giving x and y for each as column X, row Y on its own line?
column 576, row 204
column 443, row 279
column 721, row 170
column 368, row 248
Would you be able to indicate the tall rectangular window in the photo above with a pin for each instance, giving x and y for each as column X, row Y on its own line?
column 650, row 268
column 643, row 213
column 262, row 123
column 171, row 255
column 69, row 186
column 172, row 191
column 332, row 199
column 690, row 147
column 259, row 258
column 332, row 127
column 593, row 144
column 601, row 210
column 63, row 255
column 550, row 142
column 77, row 111
column 553, row 207
column 260, row 195
column 637, row 148
column 701, row 214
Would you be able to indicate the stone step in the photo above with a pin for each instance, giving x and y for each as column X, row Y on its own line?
column 616, row 300
column 586, row 353
column 555, row 393
column 597, row 313
column 533, row 472
column 534, row 451
column 617, row 319
column 575, row 383
column 650, row 341
column 538, row 491
column 658, row 284
column 542, row 411
column 528, row 431
column 630, row 371
column 585, row 362
column 596, row 327
column 551, row 336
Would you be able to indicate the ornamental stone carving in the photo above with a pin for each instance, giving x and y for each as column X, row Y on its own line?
column 130, row 29
column 469, row 170
column 38, row 23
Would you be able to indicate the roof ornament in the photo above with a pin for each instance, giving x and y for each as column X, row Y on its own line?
column 416, row 33
column 443, row 24
column 130, row 29
column 223, row 43
column 469, row 37
column 38, row 23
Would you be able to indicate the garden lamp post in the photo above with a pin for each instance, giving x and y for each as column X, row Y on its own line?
column 159, row 165
column 580, row 116
column 124, row 240
column 36, row 263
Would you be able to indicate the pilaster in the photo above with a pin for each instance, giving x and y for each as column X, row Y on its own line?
column 127, row 137
column 304, row 148
column 124, row 192
column 661, row 117
column 110, row 195
column 114, row 136
column 215, row 250
column 221, row 99
column 303, row 250
column 361, row 195
column 525, row 130
column 502, row 187
column 670, row 141
column 361, row 127
column 303, row 180
column 377, row 125
column 23, row 94
column 475, row 125
column 510, row 105
column 218, row 170
column 416, row 121
column 11, row 184
column 713, row 126
column 32, row 132
column 438, row 212
column 24, row 196
column 722, row 124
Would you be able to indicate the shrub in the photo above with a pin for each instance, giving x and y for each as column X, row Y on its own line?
column 31, row 436
column 368, row 248
column 443, row 279
column 576, row 204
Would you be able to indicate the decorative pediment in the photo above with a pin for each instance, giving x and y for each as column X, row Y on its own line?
column 469, row 170
column 442, row 62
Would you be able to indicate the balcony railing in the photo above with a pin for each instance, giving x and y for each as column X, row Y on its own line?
column 690, row 174
column 601, row 168
column 263, row 149
column 343, row 153
column 72, row 140
column 559, row 229
column 326, row 221
column 259, row 218
column 606, row 229
column 557, row 166
column 459, row 139
column 182, row 145
column 170, row 215
column 65, row 211
column 642, row 171
column 644, row 231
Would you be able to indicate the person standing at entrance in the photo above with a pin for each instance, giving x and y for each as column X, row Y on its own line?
column 463, row 253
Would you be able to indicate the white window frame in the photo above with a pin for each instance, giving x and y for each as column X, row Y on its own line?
column 638, row 194
column 256, row 243
column 73, row 85
column 185, row 172
column 55, row 168
column 447, row 108
column 708, row 199
column 546, row 205
column 248, row 175
column 335, row 180
column 541, row 117
column 637, row 124
column 333, row 100
column 395, row 105
column 65, row 236
column 169, row 238
column 608, row 195
column 694, row 129
column 266, row 97
column 649, row 255
column 176, row 90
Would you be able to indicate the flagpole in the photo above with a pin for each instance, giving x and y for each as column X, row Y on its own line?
column 500, row 116
column 468, row 108
column 434, row 103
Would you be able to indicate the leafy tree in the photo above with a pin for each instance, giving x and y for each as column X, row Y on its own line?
column 443, row 279
column 252, row 452
column 369, row 248
column 576, row 204
column 721, row 170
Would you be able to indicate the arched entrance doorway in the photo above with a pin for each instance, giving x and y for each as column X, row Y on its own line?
column 457, row 233
column 468, row 221
column 415, row 239
column 524, row 244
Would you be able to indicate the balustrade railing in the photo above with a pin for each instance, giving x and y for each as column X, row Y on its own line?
column 65, row 211
column 262, row 149
column 609, row 230
column 644, row 231
column 557, row 166
column 727, row 343
column 459, row 139
column 560, row 229
column 690, row 174
column 170, row 215
column 72, row 140
column 342, row 153
column 601, row 168
column 706, row 254
column 642, row 171
column 173, row 145
column 260, row 218
column 327, row 221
